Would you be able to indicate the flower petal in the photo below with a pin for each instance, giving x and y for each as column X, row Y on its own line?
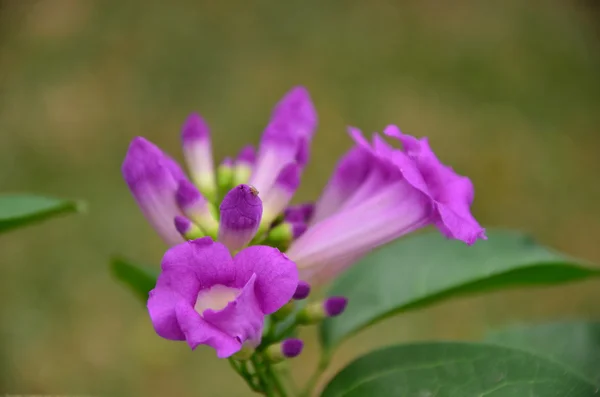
column 394, row 211
column 242, row 318
column 161, row 308
column 210, row 261
column 198, row 331
column 276, row 275
column 452, row 193
column 350, row 172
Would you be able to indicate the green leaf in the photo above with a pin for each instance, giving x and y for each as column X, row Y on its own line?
column 425, row 269
column 447, row 369
column 574, row 344
column 18, row 210
column 138, row 278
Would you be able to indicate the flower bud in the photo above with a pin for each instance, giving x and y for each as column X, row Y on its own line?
column 241, row 211
column 187, row 228
column 197, row 150
column 280, row 194
column 317, row 312
column 195, row 207
column 302, row 291
column 244, row 163
column 288, row 348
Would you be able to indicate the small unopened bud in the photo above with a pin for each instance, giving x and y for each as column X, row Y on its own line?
column 187, row 228
column 317, row 312
column 225, row 175
column 197, row 149
column 244, row 163
column 282, row 191
column 241, row 211
column 195, row 207
column 335, row 305
column 288, row 348
column 302, row 290
column 299, row 213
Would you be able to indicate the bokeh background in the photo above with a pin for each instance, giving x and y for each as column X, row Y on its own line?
column 508, row 92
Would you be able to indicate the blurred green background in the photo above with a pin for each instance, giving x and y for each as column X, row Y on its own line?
column 508, row 92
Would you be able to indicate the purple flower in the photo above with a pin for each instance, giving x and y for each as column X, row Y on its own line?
column 241, row 212
column 163, row 192
column 153, row 178
column 206, row 297
column 286, row 139
column 195, row 137
column 378, row 194
column 281, row 192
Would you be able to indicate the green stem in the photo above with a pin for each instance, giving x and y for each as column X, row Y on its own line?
column 314, row 379
column 279, row 387
column 242, row 370
column 263, row 376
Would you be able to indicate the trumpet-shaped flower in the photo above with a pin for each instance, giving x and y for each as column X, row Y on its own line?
column 206, row 297
column 377, row 194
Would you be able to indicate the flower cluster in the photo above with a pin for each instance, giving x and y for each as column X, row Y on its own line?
column 229, row 225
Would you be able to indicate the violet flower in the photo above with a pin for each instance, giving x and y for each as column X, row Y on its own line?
column 163, row 191
column 206, row 297
column 378, row 194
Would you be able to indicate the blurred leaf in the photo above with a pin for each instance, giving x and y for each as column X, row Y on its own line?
column 138, row 278
column 575, row 344
column 17, row 210
column 426, row 269
column 447, row 369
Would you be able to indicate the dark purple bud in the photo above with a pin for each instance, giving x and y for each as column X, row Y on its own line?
column 241, row 212
column 289, row 178
column 194, row 129
column 247, row 155
column 188, row 196
column 299, row 213
column 335, row 305
column 182, row 224
column 302, row 290
column 291, row 347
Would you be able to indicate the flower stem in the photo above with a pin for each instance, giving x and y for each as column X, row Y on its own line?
column 242, row 369
column 263, row 376
column 279, row 386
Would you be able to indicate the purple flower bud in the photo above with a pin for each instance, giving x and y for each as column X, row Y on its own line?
column 291, row 347
column 189, row 198
column 241, row 211
column 195, row 207
column 152, row 178
column 282, row 192
column 247, row 155
column 299, row 213
column 288, row 348
column 194, row 130
column 197, row 149
column 182, row 224
column 302, row 291
column 335, row 305
column 187, row 228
